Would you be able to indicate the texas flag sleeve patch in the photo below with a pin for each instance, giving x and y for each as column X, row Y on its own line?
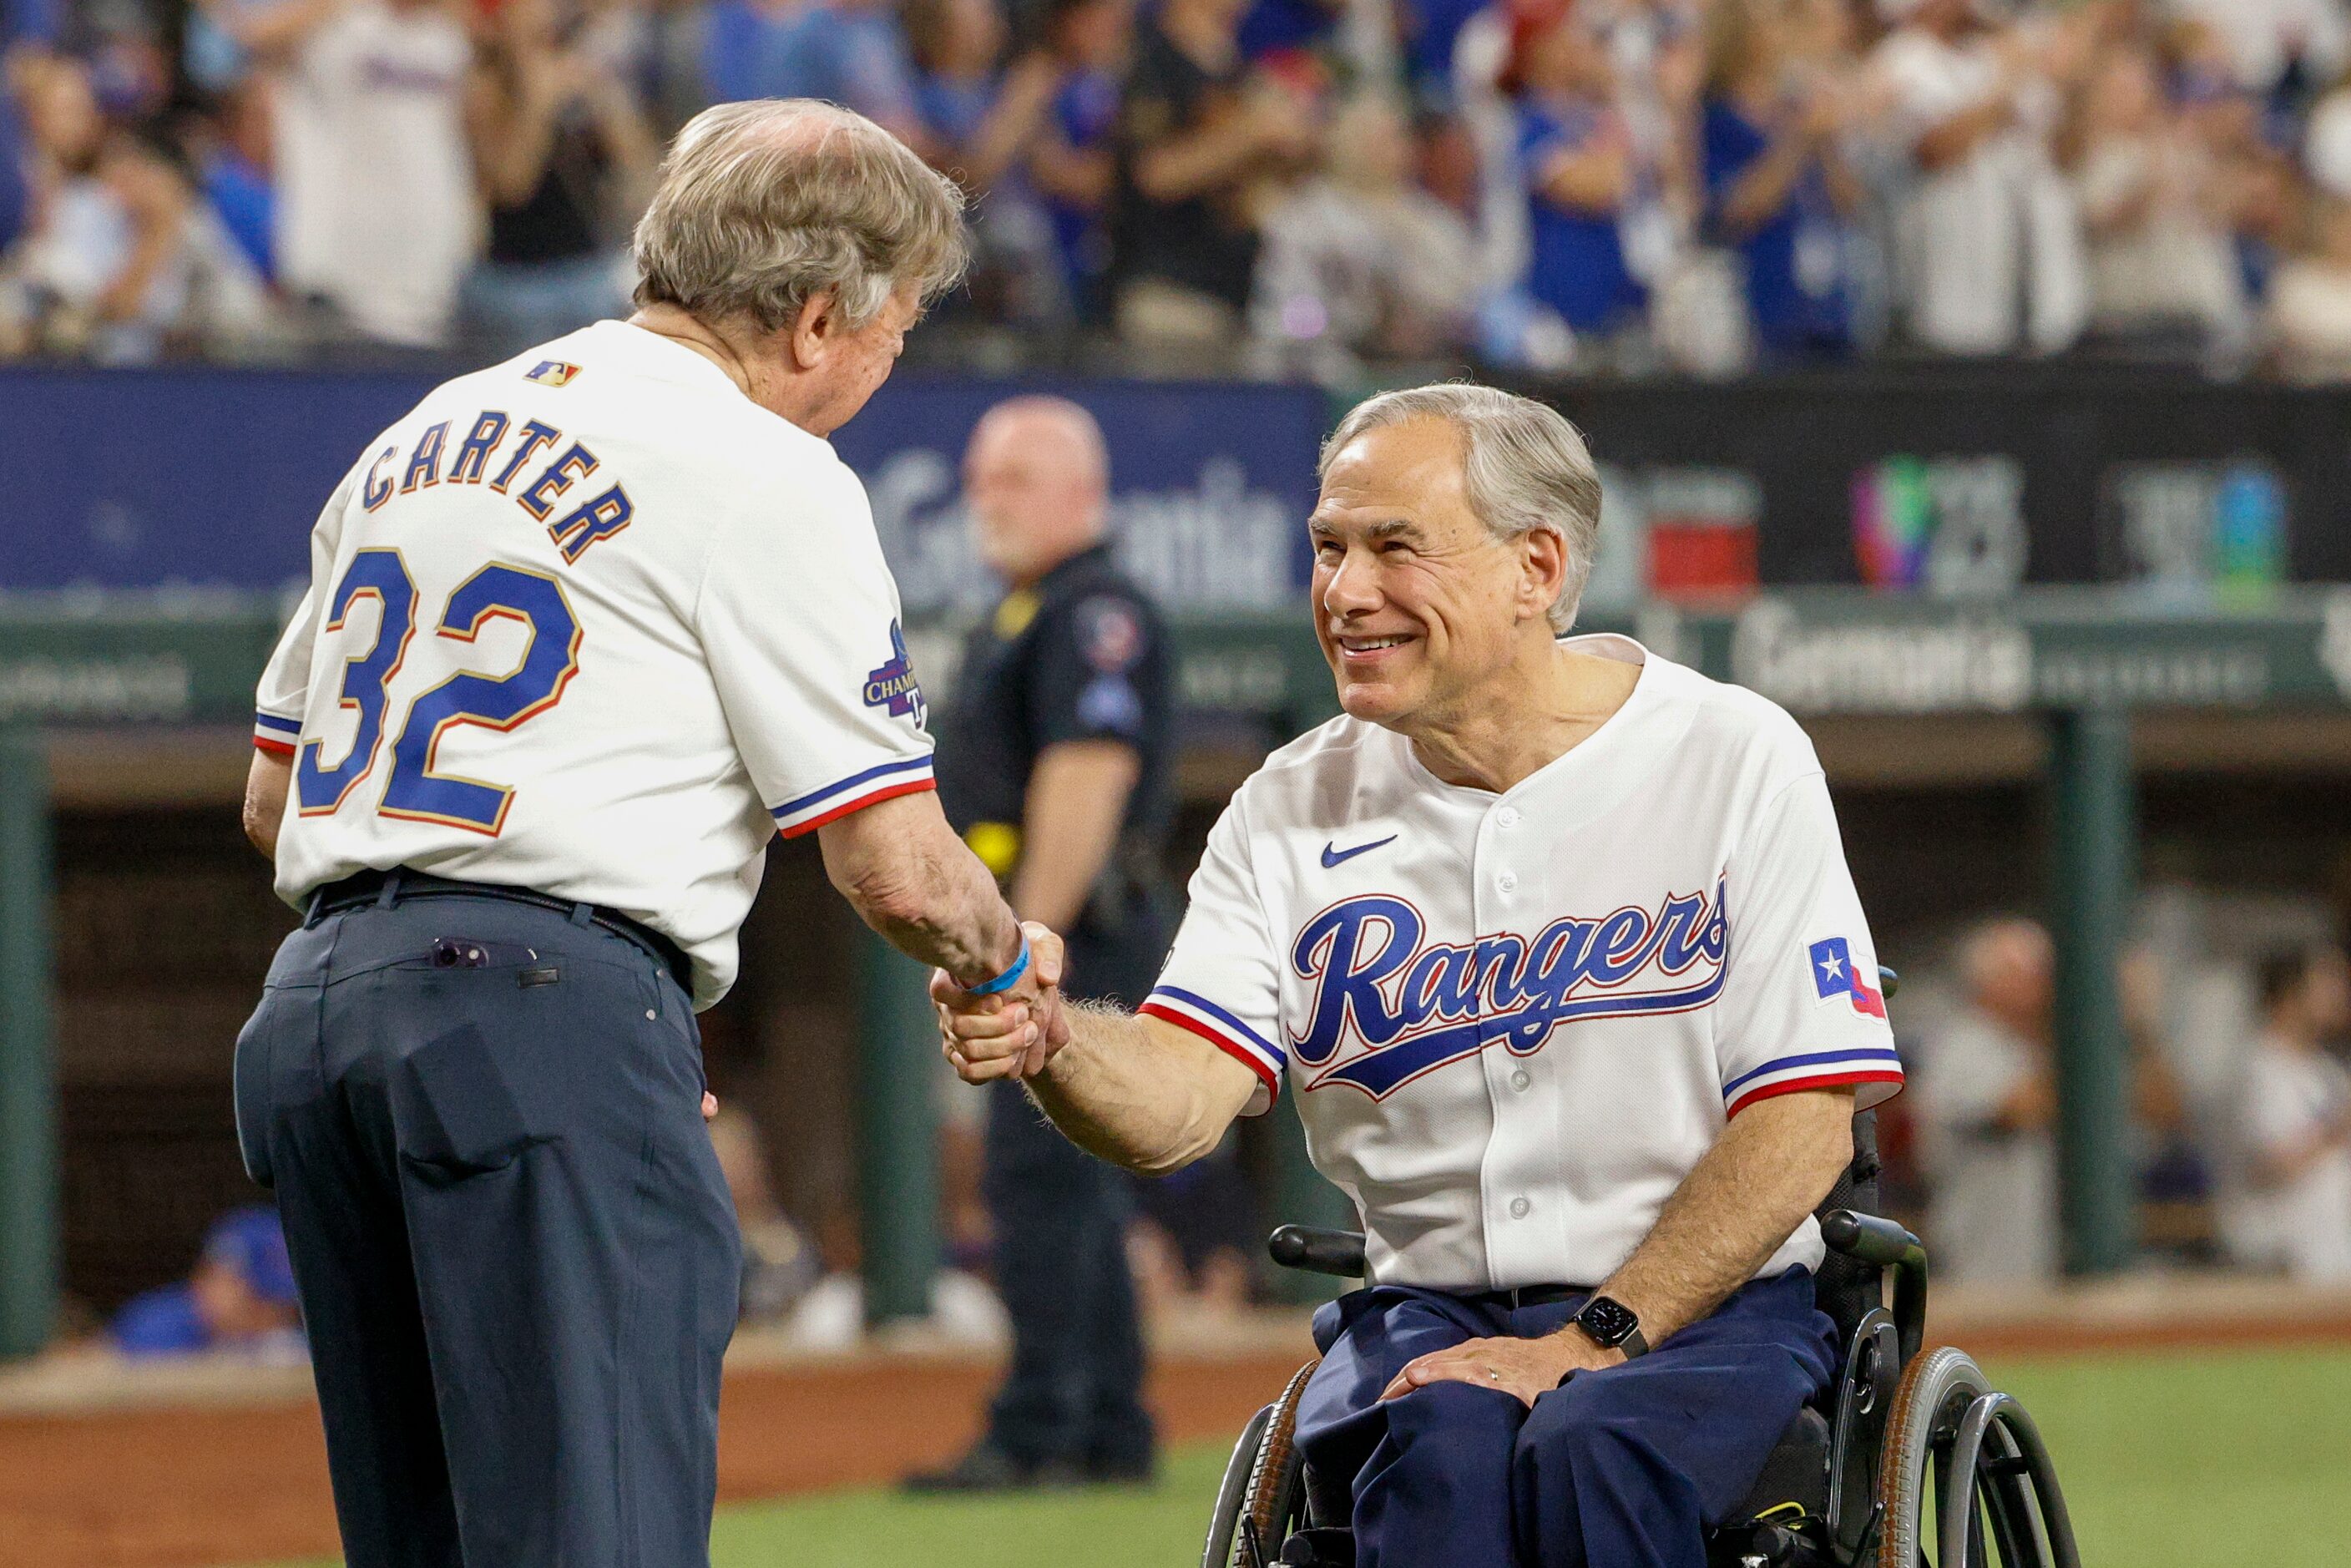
column 1835, row 974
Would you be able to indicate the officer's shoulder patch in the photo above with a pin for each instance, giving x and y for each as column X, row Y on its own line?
column 1109, row 633
column 1110, row 703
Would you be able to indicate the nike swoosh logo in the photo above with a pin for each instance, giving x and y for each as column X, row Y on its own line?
column 1333, row 855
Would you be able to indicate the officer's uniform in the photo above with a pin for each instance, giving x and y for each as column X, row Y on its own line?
column 1079, row 656
column 585, row 629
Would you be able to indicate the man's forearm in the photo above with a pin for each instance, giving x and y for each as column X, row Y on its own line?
column 1138, row 1092
column 1772, row 1167
column 914, row 881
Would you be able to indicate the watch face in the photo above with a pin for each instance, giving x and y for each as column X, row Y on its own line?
column 1606, row 1322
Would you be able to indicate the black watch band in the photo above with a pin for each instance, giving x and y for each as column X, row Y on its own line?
column 1612, row 1325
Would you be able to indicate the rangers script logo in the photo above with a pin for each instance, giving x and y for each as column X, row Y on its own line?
column 1413, row 1008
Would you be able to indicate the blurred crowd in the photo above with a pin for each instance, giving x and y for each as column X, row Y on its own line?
column 1283, row 186
column 2239, row 1142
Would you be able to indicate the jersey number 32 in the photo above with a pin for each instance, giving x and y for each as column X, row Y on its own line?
column 414, row 790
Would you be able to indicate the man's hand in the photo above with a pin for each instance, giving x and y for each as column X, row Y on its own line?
column 1014, row 1033
column 1525, row 1368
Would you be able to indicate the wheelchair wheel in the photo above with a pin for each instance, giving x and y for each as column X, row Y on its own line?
column 1972, row 1452
column 1263, row 1498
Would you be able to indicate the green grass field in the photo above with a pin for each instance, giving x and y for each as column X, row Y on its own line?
column 2240, row 1460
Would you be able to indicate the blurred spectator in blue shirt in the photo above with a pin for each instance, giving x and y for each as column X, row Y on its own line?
column 239, row 1297
column 232, row 157
column 1777, row 188
column 848, row 52
column 1577, row 159
column 956, row 45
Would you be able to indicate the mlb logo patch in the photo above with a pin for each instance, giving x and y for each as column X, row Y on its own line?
column 552, row 373
column 1833, row 975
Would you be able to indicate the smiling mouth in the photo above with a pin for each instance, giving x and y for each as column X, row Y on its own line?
column 1371, row 645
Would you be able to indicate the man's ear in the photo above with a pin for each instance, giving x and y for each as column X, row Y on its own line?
column 1543, row 559
column 814, row 331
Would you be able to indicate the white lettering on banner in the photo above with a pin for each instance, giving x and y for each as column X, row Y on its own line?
column 1219, row 544
column 2234, row 675
column 151, row 688
column 1864, row 666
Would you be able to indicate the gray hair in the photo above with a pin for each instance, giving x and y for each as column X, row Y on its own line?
column 764, row 204
column 1522, row 466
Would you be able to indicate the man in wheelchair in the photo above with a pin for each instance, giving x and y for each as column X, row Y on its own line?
column 1554, row 939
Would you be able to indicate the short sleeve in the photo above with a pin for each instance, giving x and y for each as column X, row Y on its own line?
column 1097, row 672
column 798, row 618
column 1222, row 980
column 1801, row 1008
column 284, row 695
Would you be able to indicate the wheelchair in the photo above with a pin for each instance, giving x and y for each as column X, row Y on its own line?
column 1906, row 1459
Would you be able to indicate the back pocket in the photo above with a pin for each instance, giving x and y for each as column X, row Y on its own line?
column 454, row 1113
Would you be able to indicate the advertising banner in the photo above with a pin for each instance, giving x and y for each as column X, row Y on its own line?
column 184, row 481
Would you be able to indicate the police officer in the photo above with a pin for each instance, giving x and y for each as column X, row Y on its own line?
column 1054, row 763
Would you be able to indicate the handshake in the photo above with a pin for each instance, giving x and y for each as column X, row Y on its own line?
column 1013, row 1033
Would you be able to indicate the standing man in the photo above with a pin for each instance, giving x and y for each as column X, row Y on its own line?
column 1555, row 943
column 1986, row 1110
column 1057, row 766
column 585, row 631
column 2291, row 1208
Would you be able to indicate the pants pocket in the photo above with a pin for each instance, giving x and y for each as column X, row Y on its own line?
column 249, row 1083
column 455, row 1114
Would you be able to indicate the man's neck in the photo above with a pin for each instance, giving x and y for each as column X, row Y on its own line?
column 758, row 372
column 1057, row 563
column 1524, row 718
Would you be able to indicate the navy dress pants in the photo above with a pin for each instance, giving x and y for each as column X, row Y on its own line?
column 517, row 1256
column 1623, row 1467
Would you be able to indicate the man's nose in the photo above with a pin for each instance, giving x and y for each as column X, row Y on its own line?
column 1354, row 584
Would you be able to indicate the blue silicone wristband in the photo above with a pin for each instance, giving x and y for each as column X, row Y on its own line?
column 1010, row 978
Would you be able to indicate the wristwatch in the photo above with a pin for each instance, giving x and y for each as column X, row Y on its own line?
column 1611, row 1325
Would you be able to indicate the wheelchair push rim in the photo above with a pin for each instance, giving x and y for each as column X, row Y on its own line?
column 1263, row 1495
column 1984, row 1461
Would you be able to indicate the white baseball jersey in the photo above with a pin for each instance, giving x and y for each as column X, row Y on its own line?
column 1515, row 1021
column 594, row 624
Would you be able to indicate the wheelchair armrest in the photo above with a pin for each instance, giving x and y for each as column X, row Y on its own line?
column 1321, row 1251
column 1882, row 1242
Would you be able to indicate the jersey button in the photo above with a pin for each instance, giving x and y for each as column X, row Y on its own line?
column 1520, row 1079
column 1519, row 1207
column 1508, row 817
column 1508, row 881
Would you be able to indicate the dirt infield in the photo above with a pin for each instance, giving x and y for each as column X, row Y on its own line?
column 235, row 1470
column 184, row 1487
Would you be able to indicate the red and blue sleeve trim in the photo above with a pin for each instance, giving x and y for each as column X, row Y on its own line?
column 1191, row 1011
column 883, row 782
column 1813, row 1070
column 276, row 735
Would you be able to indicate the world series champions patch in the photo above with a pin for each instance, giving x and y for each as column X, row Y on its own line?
column 891, row 685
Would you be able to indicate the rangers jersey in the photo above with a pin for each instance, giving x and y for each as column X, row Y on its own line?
column 594, row 624
column 1514, row 1022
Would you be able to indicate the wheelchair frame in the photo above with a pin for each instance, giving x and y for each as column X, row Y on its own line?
column 1905, row 1431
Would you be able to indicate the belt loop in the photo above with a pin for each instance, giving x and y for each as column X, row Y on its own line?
column 389, row 894
column 583, row 915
